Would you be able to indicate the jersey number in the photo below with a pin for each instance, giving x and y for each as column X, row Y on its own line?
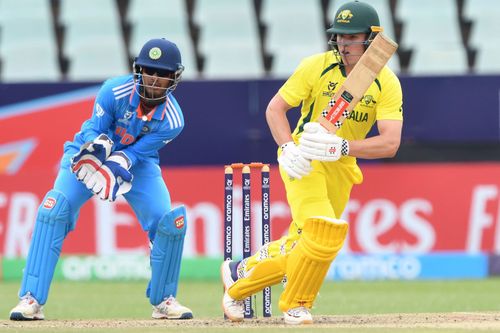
column 126, row 138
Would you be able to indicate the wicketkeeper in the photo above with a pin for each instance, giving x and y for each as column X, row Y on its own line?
column 318, row 168
column 116, row 153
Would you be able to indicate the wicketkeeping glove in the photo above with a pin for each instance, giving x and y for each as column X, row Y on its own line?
column 112, row 178
column 90, row 157
column 316, row 143
column 291, row 160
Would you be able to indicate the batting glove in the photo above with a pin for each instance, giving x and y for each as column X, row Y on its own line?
column 316, row 143
column 292, row 161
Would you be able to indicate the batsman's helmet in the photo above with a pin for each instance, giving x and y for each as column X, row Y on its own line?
column 355, row 17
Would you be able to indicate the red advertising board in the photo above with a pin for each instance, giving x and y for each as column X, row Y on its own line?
column 416, row 208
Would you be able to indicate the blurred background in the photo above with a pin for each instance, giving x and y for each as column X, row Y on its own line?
column 432, row 212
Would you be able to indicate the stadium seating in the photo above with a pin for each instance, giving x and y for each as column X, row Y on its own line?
column 434, row 36
column 295, row 30
column 93, row 40
column 168, row 20
column 229, row 39
column 221, row 39
column 28, row 49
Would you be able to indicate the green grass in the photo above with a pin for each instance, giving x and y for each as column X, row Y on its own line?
column 126, row 300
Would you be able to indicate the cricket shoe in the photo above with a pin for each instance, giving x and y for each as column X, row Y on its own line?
column 27, row 309
column 298, row 316
column 233, row 309
column 170, row 308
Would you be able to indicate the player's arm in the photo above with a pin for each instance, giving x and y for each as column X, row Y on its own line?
column 97, row 145
column 389, row 124
column 290, row 159
column 277, row 120
column 384, row 145
column 102, row 115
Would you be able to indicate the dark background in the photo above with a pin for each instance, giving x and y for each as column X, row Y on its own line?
column 225, row 120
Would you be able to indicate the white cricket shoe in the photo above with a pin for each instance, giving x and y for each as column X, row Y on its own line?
column 170, row 308
column 233, row 309
column 27, row 309
column 298, row 316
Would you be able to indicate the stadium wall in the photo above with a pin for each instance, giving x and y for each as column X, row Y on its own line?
column 407, row 220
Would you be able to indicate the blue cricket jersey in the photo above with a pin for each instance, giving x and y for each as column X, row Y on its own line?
column 117, row 114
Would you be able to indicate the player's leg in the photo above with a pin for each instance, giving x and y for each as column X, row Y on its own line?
column 321, row 240
column 307, row 265
column 268, row 265
column 55, row 218
column 240, row 283
column 166, row 228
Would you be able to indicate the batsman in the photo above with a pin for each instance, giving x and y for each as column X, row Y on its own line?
column 116, row 153
column 319, row 167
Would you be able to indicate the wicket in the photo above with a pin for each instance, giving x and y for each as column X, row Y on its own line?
column 247, row 227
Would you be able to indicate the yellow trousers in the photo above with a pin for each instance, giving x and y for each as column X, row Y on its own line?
column 324, row 192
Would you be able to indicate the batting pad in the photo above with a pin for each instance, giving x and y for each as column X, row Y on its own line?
column 308, row 262
column 51, row 227
column 166, row 255
column 266, row 273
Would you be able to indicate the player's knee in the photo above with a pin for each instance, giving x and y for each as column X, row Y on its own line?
column 173, row 223
column 322, row 235
column 54, row 208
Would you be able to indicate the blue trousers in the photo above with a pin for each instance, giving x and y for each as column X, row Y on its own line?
column 149, row 199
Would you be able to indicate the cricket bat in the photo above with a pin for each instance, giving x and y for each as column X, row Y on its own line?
column 357, row 82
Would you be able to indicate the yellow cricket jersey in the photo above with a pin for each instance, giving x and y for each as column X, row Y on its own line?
column 318, row 78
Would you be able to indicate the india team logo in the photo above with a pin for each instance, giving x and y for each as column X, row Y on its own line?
column 155, row 53
column 179, row 222
column 49, row 203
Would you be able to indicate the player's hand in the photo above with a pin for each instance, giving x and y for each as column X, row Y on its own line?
column 291, row 160
column 90, row 157
column 112, row 178
column 316, row 143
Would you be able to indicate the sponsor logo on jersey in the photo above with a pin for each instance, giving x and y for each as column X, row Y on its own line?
column 179, row 222
column 49, row 203
column 99, row 111
column 145, row 129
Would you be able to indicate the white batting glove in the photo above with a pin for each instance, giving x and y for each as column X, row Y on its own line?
column 316, row 143
column 291, row 160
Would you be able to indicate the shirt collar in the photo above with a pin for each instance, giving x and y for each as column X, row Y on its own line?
column 158, row 113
